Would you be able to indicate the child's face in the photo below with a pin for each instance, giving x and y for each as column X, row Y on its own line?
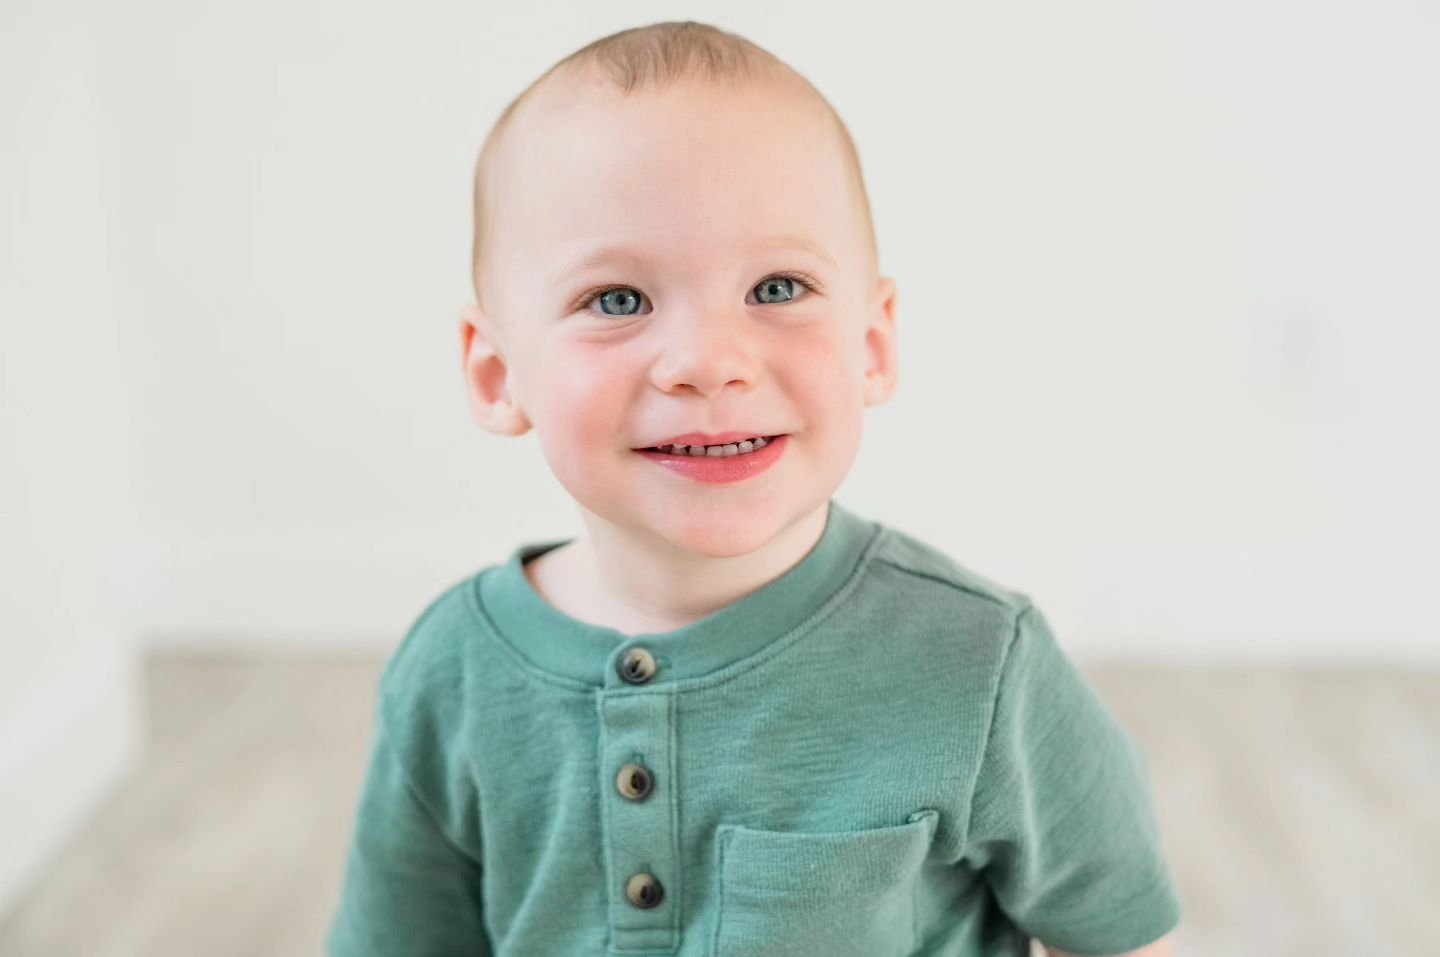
column 692, row 196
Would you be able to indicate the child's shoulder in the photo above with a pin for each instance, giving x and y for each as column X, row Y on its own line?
column 932, row 570
column 433, row 646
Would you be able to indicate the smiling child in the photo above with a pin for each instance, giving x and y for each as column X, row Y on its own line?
column 734, row 717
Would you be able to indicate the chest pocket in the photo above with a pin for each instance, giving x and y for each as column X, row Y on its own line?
column 831, row 893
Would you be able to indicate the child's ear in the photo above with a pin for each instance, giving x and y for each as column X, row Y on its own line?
column 487, row 376
column 881, row 354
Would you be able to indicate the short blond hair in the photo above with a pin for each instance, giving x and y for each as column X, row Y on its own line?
column 660, row 55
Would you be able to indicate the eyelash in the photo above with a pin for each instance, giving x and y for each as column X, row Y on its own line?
column 585, row 299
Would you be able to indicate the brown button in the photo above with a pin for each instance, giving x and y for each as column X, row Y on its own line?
column 636, row 666
column 634, row 781
column 643, row 890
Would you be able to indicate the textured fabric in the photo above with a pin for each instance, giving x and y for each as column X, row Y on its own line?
column 878, row 753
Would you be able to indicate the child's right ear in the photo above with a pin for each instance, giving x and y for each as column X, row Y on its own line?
column 487, row 376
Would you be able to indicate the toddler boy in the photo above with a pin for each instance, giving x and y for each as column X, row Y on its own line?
column 735, row 717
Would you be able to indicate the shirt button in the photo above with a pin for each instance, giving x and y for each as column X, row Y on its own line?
column 636, row 666
column 634, row 781
column 643, row 890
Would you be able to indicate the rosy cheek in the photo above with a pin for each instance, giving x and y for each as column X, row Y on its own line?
column 822, row 367
column 586, row 396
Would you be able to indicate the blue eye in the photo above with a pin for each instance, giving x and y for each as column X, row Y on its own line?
column 780, row 286
column 622, row 297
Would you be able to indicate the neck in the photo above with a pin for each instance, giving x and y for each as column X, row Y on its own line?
column 639, row 583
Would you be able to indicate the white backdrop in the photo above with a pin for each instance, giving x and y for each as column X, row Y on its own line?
column 1167, row 319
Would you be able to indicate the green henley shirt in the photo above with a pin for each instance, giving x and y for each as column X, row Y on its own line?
column 878, row 753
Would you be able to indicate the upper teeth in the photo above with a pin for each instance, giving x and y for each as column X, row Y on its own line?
column 734, row 448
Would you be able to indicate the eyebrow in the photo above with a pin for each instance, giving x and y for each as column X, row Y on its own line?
column 622, row 254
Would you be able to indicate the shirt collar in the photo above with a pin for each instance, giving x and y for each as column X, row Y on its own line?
column 565, row 646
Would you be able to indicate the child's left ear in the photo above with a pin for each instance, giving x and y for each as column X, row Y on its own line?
column 881, row 370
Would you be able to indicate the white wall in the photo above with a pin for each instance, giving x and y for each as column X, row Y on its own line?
column 69, row 705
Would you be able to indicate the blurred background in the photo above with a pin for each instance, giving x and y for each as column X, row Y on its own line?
column 1174, row 267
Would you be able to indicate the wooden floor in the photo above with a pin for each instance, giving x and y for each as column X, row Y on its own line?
column 1300, row 810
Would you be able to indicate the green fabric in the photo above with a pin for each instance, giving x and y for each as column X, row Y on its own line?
column 878, row 753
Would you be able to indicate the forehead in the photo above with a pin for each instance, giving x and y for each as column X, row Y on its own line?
column 686, row 170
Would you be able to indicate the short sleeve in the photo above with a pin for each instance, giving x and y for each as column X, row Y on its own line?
column 1061, row 824
column 408, row 888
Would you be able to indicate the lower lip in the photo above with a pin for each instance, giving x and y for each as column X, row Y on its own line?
column 721, row 468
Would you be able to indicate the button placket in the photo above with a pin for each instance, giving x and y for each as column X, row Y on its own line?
column 636, row 765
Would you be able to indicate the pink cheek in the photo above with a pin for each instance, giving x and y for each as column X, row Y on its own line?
column 587, row 404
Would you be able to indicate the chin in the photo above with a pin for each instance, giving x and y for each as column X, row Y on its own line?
column 720, row 532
